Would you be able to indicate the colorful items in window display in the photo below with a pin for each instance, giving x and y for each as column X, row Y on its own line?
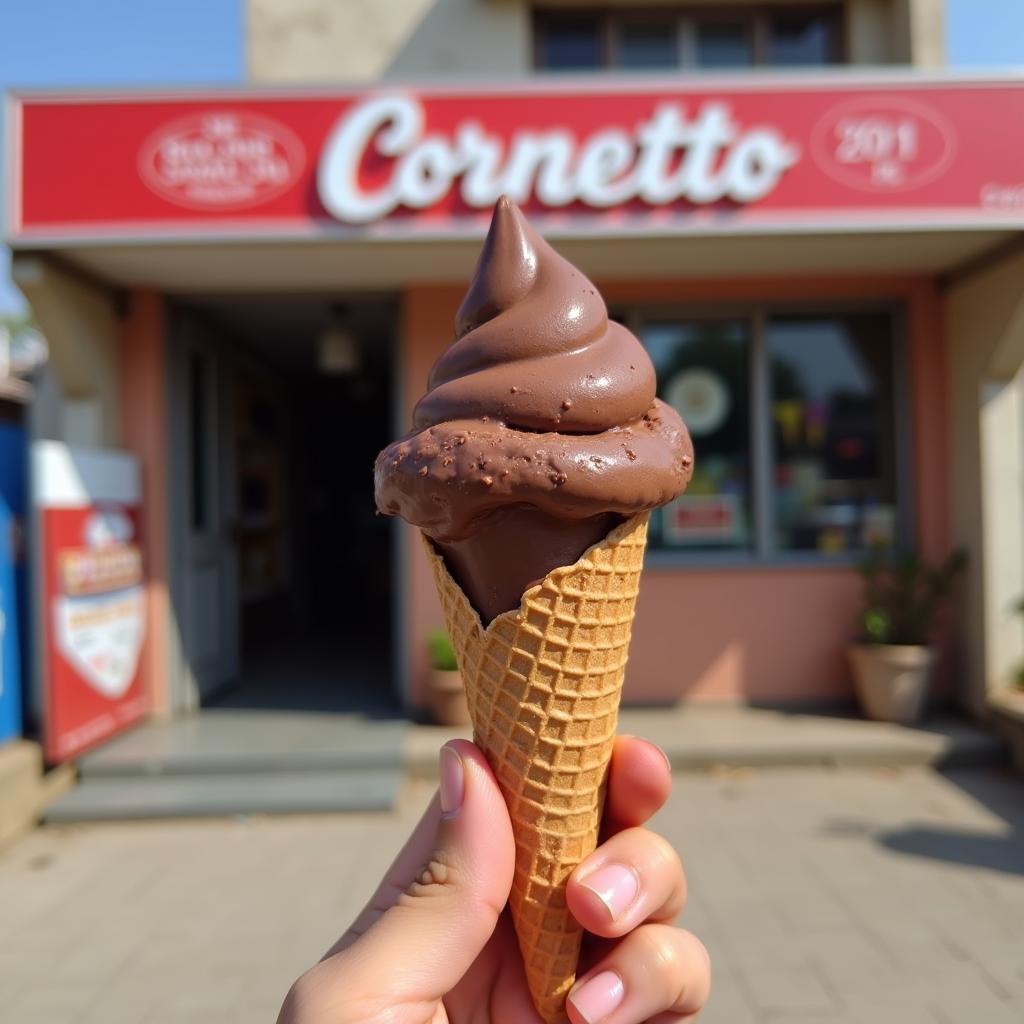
column 833, row 473
column 832, row 391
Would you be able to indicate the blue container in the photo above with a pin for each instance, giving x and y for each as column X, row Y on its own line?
column 13, row 582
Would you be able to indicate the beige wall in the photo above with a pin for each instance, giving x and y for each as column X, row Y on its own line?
column 896, row 32
column 363, row 40
column 80, row 324
column 986, row 335
column 927, row 35
column 869, row 36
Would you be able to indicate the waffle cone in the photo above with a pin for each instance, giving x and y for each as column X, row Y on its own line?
column 543, row 684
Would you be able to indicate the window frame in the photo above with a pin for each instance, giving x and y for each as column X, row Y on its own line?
column 756, row 27
column 764, row 553
column 615, row 18
column 835, row 14
column 686, row 18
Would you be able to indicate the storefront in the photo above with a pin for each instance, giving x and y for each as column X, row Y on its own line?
column 246, row 290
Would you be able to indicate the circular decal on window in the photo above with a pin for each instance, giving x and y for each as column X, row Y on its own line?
column 221, row 160
column 702, row 398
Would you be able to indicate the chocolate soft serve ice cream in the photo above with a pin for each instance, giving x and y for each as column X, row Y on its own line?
column 540, row 430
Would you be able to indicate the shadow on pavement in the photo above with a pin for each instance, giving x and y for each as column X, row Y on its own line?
column 998, row 853
column 998, row 790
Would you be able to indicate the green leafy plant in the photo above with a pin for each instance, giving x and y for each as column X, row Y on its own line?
column 902, row 595
column 442, row 654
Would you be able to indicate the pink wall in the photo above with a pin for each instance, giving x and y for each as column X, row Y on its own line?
column 427, row 317
column 143, row 381
column 728, row 634
column 741, row 634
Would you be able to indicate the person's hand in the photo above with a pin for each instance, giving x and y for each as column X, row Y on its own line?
column 436, row 942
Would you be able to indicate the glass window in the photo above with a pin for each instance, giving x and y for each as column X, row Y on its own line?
column 724, row 44
column 570, row 43
column 703, row 369
column 833, row 428
column 808, row 35
column 647, row 44
column 801, row 39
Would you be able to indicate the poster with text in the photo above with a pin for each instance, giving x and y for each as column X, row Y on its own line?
column 93, row 592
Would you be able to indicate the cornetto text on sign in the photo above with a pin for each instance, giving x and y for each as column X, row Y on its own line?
column 701, row 158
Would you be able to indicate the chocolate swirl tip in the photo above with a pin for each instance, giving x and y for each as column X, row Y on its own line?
column 534, row 347
column 506, row 269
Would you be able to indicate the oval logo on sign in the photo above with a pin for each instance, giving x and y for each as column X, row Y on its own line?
column 221, row 160
column 883, row 144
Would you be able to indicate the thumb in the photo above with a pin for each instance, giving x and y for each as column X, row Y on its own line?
column 422, row 945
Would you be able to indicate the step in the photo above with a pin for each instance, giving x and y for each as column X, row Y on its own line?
column 1006, row 712
column 701, row 739
column 240, row 742
column 192, row 795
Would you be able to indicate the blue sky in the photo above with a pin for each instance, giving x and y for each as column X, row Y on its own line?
column 985, row 33
column 52, row 43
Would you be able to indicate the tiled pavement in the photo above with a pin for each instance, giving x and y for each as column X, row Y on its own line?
column 825, row 895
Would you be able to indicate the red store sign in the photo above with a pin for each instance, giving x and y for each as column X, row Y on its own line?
column 634, row 158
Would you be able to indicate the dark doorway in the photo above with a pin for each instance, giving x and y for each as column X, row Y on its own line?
column 312, row 403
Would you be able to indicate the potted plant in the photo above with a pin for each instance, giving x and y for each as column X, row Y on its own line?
column 447, row 694
column 891, row 663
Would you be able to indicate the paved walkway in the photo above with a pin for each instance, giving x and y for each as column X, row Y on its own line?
column 844, row 895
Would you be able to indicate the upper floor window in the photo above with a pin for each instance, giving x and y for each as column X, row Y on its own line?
column 589, row 39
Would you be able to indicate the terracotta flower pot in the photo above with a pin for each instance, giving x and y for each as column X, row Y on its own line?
column 448, row 698
column 891, row 680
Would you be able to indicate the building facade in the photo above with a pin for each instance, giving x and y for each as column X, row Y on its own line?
column 803, row 218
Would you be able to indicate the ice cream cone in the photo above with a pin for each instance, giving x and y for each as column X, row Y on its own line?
column 543, row 684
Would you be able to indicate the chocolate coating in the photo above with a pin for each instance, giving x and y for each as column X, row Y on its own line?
column 445, row 478
column 515, row 548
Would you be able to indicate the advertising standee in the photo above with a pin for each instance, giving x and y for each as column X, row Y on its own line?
column 93, row 596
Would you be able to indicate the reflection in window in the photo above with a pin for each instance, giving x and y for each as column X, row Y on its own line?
column 723, row 44
column 833, row 428
column 647, row 44
column 801, row 40
column 571, row 44
column 703, row 371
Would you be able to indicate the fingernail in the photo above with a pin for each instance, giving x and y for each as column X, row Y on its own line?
column 615, row 885
column 598, row 997
column 453, row 781
column 668, row 763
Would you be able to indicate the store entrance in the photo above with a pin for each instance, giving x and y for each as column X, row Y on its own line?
column 301, row 404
